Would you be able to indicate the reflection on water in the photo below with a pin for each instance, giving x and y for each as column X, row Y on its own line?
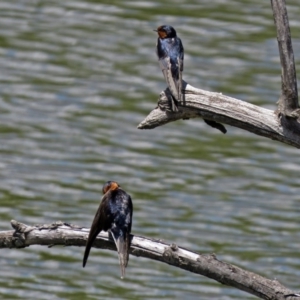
column 77, row 78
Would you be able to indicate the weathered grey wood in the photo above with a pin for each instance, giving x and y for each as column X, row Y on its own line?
column 288, row 101
column 224, row 109
column 282, row 125
column 64, row 234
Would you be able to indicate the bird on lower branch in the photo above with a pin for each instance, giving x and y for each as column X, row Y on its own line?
column 115, row 216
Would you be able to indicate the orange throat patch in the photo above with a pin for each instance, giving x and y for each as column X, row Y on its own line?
column 161, row 33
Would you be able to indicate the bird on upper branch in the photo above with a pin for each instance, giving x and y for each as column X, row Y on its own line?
column 170, row 55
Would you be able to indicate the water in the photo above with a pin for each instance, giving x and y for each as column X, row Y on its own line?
column 77, row 77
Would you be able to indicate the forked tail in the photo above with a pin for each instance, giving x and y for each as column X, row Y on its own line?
column 123, row 243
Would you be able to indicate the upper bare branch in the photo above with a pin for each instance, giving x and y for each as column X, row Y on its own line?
column 288, row 101
column 224, row 109
column 216, row 108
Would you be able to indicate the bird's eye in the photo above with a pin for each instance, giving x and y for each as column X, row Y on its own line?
column 106, row 187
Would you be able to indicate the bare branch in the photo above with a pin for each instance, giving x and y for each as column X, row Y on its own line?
column 288, row 101
column 64, row 234
column 224, row 109
column 215, row 108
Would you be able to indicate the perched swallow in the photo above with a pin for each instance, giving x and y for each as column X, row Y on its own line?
column 170, row 54
column 115, row 216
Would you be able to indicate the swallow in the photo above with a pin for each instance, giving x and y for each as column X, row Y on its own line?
column 170, row 55
column 115, row 216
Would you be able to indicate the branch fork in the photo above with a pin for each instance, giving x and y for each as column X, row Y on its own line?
column 282, row 124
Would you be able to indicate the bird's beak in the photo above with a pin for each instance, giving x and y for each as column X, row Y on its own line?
column 155, row 30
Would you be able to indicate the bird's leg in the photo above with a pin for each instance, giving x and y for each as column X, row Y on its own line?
column 172, row 105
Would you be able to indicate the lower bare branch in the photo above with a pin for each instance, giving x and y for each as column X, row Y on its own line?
column 65, row 234
column 223, row 109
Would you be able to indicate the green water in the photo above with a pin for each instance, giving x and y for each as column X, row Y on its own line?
column 76, row 79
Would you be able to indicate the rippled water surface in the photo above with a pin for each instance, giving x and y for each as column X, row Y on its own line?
column 76, row 79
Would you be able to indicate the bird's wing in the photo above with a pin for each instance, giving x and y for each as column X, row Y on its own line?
column 166, row 67
column 179, row 82
column 180, row 67
column 121, row 235
column 96, row 228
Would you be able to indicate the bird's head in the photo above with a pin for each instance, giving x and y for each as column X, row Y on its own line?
column 110, row 186
column 166, row 31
